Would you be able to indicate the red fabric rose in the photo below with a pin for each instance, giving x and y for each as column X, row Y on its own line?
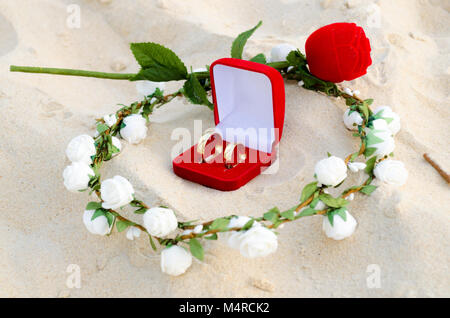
column 338, row 52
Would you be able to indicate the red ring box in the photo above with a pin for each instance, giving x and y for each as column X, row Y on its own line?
column 249, row 106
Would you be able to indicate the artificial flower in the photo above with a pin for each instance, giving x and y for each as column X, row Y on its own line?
column 77, row 176
column 331, row 171
column 160, row 221
column 81, row 149
column 116, row 192
column 135, row 129
column 175, row 260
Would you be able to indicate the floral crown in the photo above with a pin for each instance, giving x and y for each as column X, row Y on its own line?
column 334, row 53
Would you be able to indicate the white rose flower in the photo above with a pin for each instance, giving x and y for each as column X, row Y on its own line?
column 116, row 143
column 81, row 149
column 133, row 232
column 110, row 120
column 384, row 146
column 135, row 129
column 331, row 171
column 98, row 226
column 380, row 126
column 234, row 237
column 351, row 121
column 356, row 166
column 392, row 172
column 259, row 241
column 340, row 229
column 160, row 221
column 116, row 192
column 77, row 176
column 280, row 52
column 146, row 88
column 175, row 260
column 390, row 117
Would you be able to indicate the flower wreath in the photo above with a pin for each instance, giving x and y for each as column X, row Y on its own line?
column 336, row 52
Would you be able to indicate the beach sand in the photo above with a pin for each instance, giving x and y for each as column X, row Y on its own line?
column 403, row 231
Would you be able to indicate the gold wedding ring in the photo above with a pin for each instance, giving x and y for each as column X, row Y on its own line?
column 228, row 155
column 201, row 146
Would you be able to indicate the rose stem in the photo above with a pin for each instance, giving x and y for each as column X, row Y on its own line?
column 84, row 73
column 113, row 76
column 443, row 174
column 71, row 72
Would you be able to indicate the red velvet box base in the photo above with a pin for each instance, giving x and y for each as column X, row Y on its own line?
column 216, row 175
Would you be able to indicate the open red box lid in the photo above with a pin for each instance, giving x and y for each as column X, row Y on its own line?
column 248, row 96
column 249, row 109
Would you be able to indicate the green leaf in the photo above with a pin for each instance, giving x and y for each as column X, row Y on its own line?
column 158, row 63
column 110, row 217
column 220, row 224
column 368, row 101
column 327, row 199
column 354, row 156
column 140, row 211
column 369, row 151
column 122, row 225
column 101, row 128
column 211, row 237
column 248, row 225
column 370, row 164
column 365, row 110
column 289, row 214
column 314, row 202
column 136, row 203
column 372, row 139
column 97, row 213
column 152, row 243
column 93, row 206
column 195, row 92
column 260, row 58
column 238, row 44
column 114, row 149
column 196, row 248
column 368, row 189
column 307, row 212
column 296, row 58
column 308, row 191
column 350, row 101
column 341, row 212
column 272, row 215
column 331, row 218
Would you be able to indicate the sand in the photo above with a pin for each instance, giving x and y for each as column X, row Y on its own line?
column 404, row 231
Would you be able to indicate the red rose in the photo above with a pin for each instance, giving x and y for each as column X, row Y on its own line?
column 338, row 52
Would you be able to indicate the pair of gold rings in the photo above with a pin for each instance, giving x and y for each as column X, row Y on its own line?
column 218, row 149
